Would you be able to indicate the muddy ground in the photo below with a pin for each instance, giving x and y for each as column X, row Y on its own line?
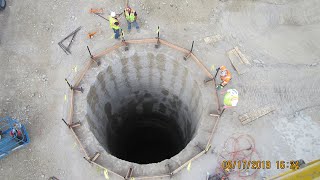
column 280, row 38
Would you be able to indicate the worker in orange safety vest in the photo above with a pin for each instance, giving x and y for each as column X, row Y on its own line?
column 225, row 77
column 131, row 17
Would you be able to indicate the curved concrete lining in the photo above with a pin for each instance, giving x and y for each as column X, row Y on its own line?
column 144, row 108
column 140, row 112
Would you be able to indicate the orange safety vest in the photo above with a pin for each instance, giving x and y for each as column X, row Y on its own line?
column 225, row 79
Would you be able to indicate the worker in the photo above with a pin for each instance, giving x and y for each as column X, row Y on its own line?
column 230, row 98
column 131, row 17
column 114, row 25
column 225, row 77
column 16, row 133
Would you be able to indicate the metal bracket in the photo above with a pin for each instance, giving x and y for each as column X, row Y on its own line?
column 73, row 125
column 95, row 157
column 129, row 173
column 67, row 49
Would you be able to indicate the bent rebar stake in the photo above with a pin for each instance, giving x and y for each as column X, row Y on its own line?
column 158, row 38
column 126, row 47
column 91, row 56
column 74, row 88
column 189, row 54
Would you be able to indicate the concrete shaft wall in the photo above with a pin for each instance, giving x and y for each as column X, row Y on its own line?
column 145, row 108
column 144, row 96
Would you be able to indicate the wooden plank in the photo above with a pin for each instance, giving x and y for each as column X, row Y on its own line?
column 77, row 124
column 141, row 41
column 104, row 168
column 80, row 144
column 242, row 56
column 237, row 63
column 70, row 116
column 200, row 64
column 174, row 46
column 255, row 114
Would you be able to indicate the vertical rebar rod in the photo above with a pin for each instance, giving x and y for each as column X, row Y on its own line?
column 90, row 52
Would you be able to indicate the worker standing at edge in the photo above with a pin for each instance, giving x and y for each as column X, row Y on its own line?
column 225, row 77
column 114, row 25
column 231, row 98
column 131, row 17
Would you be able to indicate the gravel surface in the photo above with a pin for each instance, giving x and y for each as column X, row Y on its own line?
column 279, row 37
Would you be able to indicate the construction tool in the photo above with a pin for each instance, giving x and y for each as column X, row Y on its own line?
column 91, row 34
column 189, row 54
column 158, row 38
column 67, row 49
column 98, row 10
column 106, row 18
column 101, row 16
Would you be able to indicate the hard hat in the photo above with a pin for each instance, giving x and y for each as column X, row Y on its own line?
column 233, row 92
column 223, row 68
column 113, row 14
column 128, row 9
column 223, row 73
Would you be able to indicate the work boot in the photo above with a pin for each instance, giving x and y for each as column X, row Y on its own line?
column 219, row 87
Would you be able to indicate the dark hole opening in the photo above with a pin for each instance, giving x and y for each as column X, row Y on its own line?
column 143, row 137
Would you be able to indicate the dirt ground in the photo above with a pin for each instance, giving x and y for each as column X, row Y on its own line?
column 280, row 38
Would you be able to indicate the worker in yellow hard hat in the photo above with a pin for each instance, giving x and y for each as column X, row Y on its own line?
column 114, row 24
column 231, row 98
column 131, row 17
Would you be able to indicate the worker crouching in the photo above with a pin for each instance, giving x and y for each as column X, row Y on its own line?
column 225, row 77
column 131, row 17
column 114, row 25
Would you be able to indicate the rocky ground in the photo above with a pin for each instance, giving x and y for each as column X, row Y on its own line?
column 280, row 38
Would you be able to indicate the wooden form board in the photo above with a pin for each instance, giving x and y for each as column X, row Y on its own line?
column 255, row 114
column 239, row 60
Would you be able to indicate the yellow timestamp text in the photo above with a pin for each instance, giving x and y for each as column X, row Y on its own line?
column 244, row 164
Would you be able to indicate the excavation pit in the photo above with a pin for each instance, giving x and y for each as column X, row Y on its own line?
column 147, row 109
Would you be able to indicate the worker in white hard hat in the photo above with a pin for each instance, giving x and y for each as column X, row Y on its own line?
column 114, row 25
